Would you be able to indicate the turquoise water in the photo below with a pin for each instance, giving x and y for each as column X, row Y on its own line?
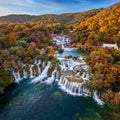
column 67, row 71
column 73, row 53
column 42, row 102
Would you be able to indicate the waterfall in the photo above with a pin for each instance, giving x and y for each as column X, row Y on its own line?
column 57, row 76
column 87, row 76
column 35, row 62
column 72, row 88
column 43, row 65
column 63, row 47
column 31, row 71
column 17, row 76
column 25, row 75
column 51, row 79
column 38, row 65
column 67, row 49
column 42, row 75
column 97, row 99
column 83, row 75
column 70, row 65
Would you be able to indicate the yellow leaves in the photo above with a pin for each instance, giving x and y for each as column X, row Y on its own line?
column 42, row 51
column 17, row 27
column 81, row 25
column 30, row 50
column 119, row 19
column 36, row 27
column 117, row 98
column 91, row 26
column 51, row 52
column 12, row 39
column 53, row 25
column 103, row 29
column 26, row 29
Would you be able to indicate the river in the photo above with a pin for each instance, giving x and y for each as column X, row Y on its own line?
column 31, row 99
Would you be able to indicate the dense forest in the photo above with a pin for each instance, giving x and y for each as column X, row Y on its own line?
column 22, row 44
column 104, row 63
column 24, row 39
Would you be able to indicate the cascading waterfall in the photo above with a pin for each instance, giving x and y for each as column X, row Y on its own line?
column 43, row 65
column 17, row 76
column 42, row 75
column 63, row 47
column 73, row 88
column 25, row 74
column 83, row 75
column 67, row 49
column 38, row 65
column 31, row 71
column 97, row 99
column 35, row 62
column 57, row 76
column 63, row 67
column 87, row 76
column 51, row 79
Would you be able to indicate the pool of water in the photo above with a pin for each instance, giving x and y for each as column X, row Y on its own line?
column 67, row 71
column 73, row 53
column 42, row 102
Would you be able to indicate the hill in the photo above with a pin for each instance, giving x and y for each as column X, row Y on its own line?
column 76, row 18
column 68, row 18
column 16, row 18
column 102, row 27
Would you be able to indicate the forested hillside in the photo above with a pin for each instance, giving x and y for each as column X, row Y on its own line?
column 104, row 63
column 68, row 18
column 16, row 18
column 102, row 27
